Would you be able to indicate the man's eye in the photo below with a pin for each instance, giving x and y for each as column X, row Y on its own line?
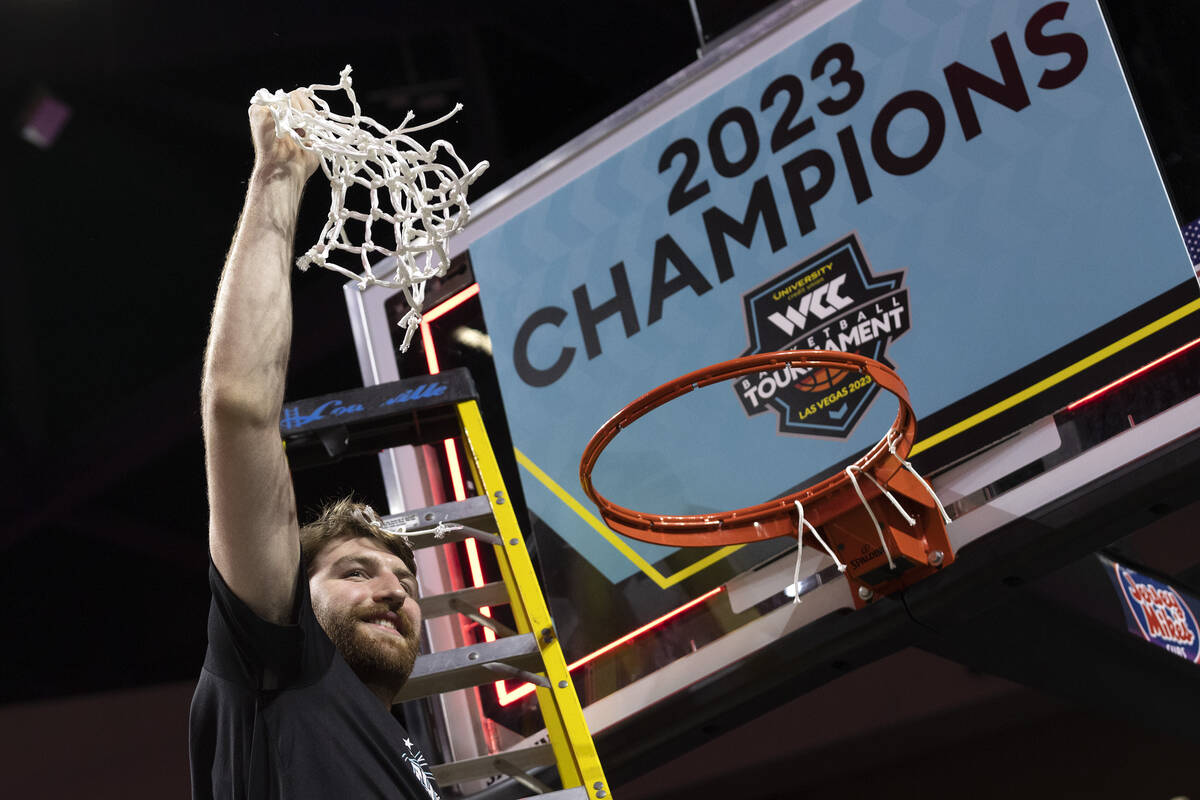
column 356, row 573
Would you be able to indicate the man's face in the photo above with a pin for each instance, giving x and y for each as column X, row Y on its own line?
column 365, row 598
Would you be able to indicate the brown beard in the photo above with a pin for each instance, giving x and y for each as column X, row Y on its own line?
column 376, row 663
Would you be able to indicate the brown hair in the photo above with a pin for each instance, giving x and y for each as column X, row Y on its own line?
column 347, row 519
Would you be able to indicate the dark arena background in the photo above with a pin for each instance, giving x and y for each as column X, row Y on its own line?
column 127, row 156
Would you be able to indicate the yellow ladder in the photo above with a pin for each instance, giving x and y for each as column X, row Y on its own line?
column 410, row 411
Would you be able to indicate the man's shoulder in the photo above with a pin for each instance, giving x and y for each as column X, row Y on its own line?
column 246, row 650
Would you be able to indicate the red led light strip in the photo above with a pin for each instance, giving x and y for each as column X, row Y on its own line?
column 526, row 688
column 456, row 478
column 449, row 304
column 445, row 307
column 503, row 695
column 1132, row 375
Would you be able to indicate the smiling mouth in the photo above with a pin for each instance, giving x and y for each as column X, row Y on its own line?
column 386, row 625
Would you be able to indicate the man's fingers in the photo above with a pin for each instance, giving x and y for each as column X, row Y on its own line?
column 259, row 114
column 300, row 100
column 282, row 148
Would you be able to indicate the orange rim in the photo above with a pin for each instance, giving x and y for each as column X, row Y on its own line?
column 822, row 501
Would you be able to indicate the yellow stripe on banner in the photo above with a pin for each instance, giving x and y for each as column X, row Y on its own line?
column 708, row 560
column 616, row 541
column 1058, row 377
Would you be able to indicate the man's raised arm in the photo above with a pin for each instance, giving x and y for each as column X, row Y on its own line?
column 253, row 532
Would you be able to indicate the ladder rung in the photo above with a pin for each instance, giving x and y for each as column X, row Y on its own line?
column 518, row 674
column 438, row 605
column 467, row 532
column 474, row 512
column 497, row 627
column 521, row 776
column 462, row 667
column 473, row 769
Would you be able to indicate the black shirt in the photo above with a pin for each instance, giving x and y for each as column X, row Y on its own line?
column 278, row 713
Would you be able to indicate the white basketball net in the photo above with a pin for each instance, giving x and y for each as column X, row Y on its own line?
column 426, row 201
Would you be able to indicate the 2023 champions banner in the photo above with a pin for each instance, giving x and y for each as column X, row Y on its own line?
column 957, row 189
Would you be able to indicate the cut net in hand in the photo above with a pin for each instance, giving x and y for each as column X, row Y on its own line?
column 422, row 200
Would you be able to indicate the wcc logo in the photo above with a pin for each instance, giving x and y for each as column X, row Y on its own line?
column 829, row 301
column 1159, row 613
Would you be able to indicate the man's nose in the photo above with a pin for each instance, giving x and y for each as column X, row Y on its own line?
column 389, row 589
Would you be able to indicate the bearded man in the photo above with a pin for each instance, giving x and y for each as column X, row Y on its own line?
column 312, row 631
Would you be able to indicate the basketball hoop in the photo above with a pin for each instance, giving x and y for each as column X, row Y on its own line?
column 884, row 545
column 426, row 197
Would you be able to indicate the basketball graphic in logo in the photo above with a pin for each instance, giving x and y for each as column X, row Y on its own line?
column 820, row 379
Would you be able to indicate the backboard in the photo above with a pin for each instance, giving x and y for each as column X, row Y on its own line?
column 963, row 192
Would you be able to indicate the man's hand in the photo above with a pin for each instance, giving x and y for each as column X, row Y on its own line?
column 274, row 155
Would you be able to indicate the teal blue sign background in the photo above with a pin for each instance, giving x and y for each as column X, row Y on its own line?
column 1049, row 222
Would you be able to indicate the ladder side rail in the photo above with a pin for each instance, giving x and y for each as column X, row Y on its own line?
column 480, row 450
column 565, row 723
